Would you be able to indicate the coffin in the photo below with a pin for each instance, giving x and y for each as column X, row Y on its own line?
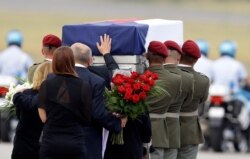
column 130, row 38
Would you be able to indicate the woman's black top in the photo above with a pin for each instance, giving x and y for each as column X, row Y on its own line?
column 67, row 101
column 29, row 128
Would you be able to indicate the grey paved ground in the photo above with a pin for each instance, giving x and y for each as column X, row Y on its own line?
column 5, row 151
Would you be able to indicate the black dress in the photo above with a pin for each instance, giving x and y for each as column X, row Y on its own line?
column 135, row 134
column 29, row 128
column 67, row 101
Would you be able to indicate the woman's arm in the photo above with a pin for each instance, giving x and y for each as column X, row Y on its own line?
column 42, row 114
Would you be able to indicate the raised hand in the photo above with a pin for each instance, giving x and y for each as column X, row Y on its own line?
column 105, row 44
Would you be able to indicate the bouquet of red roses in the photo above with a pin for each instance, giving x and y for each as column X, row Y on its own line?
column 128, row 95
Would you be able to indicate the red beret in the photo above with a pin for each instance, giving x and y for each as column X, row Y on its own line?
column 191, row 48
column 51, row 40
column 172, row 45
column 158, row 48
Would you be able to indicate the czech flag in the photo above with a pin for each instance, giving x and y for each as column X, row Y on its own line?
column 129, row 37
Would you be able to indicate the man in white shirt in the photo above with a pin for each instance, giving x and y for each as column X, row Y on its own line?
column 227, row 70
column 204, row 65
column 14, row 62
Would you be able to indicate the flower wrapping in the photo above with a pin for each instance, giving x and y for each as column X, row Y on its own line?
column 12, row 90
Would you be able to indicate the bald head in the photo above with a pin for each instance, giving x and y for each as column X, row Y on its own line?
column 82, row 54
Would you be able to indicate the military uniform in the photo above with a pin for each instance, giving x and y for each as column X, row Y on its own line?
column 32, row 70
column 191, row 134
column 186, row 94
column 158, row 106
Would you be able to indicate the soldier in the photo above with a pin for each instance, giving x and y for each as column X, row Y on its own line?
column 191, row 134
column 158, row 106
column 185, row 80
column 50, row 44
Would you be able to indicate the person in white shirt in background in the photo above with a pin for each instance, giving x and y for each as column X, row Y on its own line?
column 14, row 62
column 232, row 73
column 227, row 70
column 204, row 64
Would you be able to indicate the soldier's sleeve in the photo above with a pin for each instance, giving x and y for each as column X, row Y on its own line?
column 206, row 85
column 190, row 86
column 31, row 71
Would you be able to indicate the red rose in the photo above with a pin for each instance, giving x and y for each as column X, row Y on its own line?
column 135, row 98
column 128, row 85
column 146, row 87
column 3, row 91
column 127, row 96
column 128, row 90
column 151, row 82
column 121, row 89
column 134, row 75
column 155, row 76
column 142, row 95
column 143, row 78
column 148, row 73
column 126, row 79
column 119, row 76
column 146, row 80
column 117, row 80
column 137, row 86
column 131, row 81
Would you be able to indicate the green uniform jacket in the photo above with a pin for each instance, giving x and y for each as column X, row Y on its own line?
column 185, row 96
column 32, row 70
column 175, row 106
column 191, row 133
column 159, row 106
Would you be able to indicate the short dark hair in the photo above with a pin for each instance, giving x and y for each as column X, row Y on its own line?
column 188, row 59
column 155, row 58
column 63, row 61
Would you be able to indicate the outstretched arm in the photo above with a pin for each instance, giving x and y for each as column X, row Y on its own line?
column 104, row 48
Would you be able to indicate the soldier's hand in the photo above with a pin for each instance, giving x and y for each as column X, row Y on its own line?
column 105, row 44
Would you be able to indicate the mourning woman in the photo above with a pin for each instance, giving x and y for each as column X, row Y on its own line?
column 29, row 128
column 64, row 107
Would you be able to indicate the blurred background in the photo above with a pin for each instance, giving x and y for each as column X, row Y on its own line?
column 212, row 20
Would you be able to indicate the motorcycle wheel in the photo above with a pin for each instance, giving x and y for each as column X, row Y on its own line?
column 5, row 129
column 216, row 139
column 241, row 145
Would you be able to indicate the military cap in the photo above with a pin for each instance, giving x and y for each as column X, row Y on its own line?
column 51, row 40
column 158, row 47
column 172, row 45
column 190, row 48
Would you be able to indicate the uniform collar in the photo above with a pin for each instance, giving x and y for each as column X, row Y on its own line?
column 80, row 65
column 158, row 67
column 47, row 59
column 183, row 65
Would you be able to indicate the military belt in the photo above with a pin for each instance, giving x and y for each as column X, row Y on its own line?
column 167, row 114
column 194, row 113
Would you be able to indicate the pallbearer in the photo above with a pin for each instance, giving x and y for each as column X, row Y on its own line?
column 191, row 134
column 180, row 79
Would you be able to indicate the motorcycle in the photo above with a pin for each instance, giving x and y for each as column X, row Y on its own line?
column 8, row 123
column 227, row 119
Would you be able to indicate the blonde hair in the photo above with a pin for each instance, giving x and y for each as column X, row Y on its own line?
column 41, row 74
